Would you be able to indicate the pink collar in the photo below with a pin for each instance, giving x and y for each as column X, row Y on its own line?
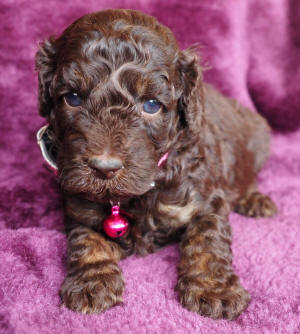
column 163, row 159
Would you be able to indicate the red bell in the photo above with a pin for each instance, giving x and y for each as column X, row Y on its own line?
column 115, row 226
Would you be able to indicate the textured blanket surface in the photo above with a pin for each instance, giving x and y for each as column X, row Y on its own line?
column 251, row 51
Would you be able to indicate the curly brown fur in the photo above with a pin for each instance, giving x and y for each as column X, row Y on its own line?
column 115, row 61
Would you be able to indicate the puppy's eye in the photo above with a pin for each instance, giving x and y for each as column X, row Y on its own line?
column 73, row 99
column 152, row 106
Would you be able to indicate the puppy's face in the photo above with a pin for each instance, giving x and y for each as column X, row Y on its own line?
column 110, row 89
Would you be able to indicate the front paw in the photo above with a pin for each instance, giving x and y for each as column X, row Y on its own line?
column 92, row 294
column 211, row 299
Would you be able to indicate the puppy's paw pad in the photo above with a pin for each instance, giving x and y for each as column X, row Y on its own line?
column 92, row 295
column 257, row 205
column 226, row 303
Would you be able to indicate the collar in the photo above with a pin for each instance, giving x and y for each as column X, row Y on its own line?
column 47, row 148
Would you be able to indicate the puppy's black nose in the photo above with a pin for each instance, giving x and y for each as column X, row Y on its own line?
column 106, row 165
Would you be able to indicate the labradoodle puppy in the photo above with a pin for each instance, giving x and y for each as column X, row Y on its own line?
column 136, row 128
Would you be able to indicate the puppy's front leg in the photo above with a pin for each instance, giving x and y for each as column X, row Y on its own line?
column 94, row 280
column 207, row 283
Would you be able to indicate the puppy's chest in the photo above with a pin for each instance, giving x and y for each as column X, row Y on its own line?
column 175, row 210
column 164, row 223
column 175, row 215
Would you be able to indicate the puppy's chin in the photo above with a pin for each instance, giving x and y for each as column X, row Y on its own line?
column 115, row 197
column 118, row 189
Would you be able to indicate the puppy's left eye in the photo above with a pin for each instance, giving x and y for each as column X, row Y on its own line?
column 73, row 99
column 152, row 106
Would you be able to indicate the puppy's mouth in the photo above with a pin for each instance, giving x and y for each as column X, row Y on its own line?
column 88, row 183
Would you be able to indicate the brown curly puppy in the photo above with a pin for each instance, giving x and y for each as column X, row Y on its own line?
column 118, row 95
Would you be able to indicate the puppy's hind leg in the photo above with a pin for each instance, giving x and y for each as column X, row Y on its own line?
column 255, row 204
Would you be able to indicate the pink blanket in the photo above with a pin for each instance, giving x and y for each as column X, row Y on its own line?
column 251, row 51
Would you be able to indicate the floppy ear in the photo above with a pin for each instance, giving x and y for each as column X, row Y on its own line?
column 45, row 65
column 191, row 102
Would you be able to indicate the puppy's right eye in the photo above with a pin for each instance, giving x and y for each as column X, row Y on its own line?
column 152, row 106
column 73, row 99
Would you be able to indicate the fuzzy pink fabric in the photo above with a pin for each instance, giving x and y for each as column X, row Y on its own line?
column 251, row 50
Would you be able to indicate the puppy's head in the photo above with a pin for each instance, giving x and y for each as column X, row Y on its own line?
column 118, row 94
